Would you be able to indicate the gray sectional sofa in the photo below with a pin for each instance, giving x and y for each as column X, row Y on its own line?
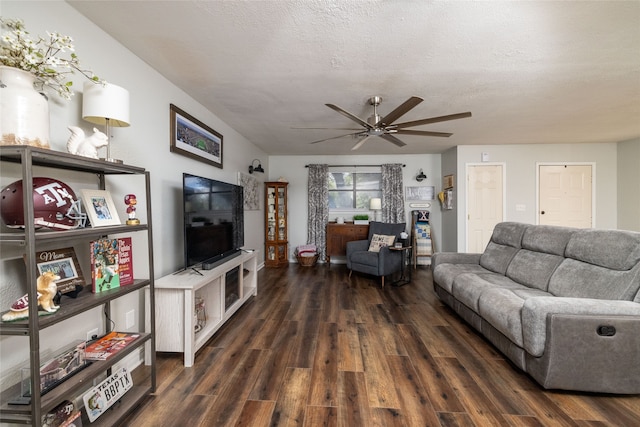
column 563, row 304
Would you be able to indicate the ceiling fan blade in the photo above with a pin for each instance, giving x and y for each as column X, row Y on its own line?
column 422, row 133
column 328, row 128
column 336, row 137
column 401, row 110
column 433, row 120
column 362, row 141
column 349, row 115
column 393, row 139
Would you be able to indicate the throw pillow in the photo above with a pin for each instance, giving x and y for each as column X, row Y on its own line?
column 379, row 241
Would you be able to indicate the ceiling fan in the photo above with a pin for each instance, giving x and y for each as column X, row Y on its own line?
column 385, row 128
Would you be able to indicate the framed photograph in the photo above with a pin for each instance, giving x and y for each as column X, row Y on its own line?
column 64, row 263
column 100, row 208
column 420, row 193
column 192, row 138
column 447, row 181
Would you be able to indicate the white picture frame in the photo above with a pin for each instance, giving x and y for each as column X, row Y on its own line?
column 100, row 208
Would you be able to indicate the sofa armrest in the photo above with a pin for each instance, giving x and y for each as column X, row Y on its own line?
column 389, row 261
column 537, row 311
column 453, row 258
column 357, row 245
column 579, row 356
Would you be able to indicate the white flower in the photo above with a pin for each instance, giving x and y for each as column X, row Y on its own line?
column 41, row 57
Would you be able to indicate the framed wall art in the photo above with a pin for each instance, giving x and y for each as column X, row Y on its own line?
column 100, row 208
column 447, row 181
column 251, row 191
column 64, row 263
column 192, row 138
column 420, row 193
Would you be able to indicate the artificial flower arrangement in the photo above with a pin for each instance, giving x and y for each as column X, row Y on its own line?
column 43, row 57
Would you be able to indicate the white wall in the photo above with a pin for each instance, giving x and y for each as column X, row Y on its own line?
column 629, row 185
column 293, row 170
column 145, row 143
column 521, row 162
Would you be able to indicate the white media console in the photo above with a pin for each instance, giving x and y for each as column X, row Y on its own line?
column 222, row 290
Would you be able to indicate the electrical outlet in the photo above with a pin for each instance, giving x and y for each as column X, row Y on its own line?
column 92, row 334
column 131, row 319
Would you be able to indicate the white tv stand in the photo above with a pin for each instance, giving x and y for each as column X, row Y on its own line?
column 176, row 294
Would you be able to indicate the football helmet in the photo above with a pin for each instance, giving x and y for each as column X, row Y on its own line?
column 55, row 205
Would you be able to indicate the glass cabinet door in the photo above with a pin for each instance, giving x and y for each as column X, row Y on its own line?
column 276, row 243
column 271, row 214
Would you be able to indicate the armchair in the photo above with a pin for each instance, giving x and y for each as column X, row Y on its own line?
column 382, row 263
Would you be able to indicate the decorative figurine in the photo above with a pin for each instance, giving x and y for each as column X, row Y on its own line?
column 131, row 202
column 86, row 146
column 47, row 289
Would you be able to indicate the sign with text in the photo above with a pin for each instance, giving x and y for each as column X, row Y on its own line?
column 104, row 395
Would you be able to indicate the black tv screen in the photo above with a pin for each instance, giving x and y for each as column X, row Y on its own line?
column 213, row 220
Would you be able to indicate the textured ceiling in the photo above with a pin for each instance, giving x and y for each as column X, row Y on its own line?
column 530, row 72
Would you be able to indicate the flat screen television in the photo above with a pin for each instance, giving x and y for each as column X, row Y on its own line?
column 213, row 221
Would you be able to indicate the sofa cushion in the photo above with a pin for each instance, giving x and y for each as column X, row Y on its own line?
column 533, row 269
column 502, row 309
column 582, row 280
column 622, row 248
column 444, row 274
column 509, row 234
column 549, row 239
column 505, row 242
column 497, row 257
column 468, row 287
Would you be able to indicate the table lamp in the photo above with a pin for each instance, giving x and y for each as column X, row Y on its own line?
column 106, row 104
column 375, row 204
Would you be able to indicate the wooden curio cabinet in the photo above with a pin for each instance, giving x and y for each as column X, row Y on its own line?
column 276, row 239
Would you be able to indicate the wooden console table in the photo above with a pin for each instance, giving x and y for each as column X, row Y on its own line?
column 339, row 234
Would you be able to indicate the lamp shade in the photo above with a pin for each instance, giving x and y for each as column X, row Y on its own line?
column 102, row 102
column 375, row 204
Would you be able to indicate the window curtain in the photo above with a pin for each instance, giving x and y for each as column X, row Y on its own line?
column 392, row 194
column 318, row 210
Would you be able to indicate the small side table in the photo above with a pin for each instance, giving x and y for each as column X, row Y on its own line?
column 405, row 273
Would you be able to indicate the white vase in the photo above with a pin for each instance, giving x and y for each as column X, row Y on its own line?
column 24, row 113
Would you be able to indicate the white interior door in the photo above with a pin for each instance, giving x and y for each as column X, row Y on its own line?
column 565, row 195
column 485, row 203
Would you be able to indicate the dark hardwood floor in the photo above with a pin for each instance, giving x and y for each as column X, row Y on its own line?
column 316, row 348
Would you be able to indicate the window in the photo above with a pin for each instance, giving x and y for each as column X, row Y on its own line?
column 353, row 190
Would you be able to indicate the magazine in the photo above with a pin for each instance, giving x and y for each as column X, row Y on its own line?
column 105, row 347
column 125, row 261
column 104, row 265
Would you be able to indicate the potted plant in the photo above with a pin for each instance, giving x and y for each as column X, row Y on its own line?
column 362, row 219
column 28, row 66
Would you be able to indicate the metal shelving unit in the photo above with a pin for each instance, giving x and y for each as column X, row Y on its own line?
column 30, row 238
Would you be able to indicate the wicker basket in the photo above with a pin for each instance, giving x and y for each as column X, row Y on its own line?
column 307, row 261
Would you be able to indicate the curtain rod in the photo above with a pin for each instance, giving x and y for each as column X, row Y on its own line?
column 353, row 166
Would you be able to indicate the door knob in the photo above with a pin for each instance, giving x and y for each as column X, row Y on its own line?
column 542, row 213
